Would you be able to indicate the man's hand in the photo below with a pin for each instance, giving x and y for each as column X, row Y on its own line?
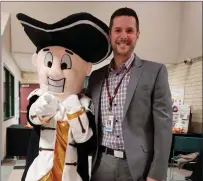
column 150, row 179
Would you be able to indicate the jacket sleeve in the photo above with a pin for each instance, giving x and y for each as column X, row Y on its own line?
column 33, row 147
column 90, row 145
column 162, row 117
column 85, row 150
column 31, row 101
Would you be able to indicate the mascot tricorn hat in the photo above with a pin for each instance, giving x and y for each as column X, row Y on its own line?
column 82, row 33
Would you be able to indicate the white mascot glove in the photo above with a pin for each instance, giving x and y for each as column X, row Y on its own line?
column 72, row 104
column 46, row 106
column 87, row 103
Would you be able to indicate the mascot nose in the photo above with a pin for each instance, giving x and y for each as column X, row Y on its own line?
column 55, row 73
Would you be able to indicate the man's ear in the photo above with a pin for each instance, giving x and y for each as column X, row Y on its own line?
column 89, row 68
column 109, row 35
column 34, row 59
column 138, row 34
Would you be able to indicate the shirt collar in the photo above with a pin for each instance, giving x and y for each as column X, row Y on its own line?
column 123, row 66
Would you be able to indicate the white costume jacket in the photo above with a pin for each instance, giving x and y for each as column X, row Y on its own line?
column 59, row 148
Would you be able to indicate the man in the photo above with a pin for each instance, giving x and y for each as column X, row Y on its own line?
column 134, row 94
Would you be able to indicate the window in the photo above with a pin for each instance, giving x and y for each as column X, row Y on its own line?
column 8, row 80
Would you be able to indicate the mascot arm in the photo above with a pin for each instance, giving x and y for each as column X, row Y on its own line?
column 43, row 109
column 32, row 100
column 78, row 120
column 90, row 145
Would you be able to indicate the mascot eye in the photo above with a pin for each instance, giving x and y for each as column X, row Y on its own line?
column 48, row 60
column 66, row 62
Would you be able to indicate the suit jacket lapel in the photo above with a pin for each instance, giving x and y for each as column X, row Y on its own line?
column 134, row 79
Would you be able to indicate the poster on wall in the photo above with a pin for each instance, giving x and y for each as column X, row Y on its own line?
column 181, row 112
column 177, row 96
column 181, row 118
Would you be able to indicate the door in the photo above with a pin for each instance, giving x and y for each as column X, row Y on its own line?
column 25, row 90
column 19, row 101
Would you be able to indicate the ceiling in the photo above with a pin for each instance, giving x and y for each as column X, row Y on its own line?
column 160, row 24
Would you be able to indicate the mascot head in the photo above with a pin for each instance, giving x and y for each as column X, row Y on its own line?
column 66, row 50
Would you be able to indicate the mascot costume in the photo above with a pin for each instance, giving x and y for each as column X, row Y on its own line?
column 61, row 116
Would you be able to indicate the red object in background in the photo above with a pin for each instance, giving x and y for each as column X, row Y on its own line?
column 25, row 90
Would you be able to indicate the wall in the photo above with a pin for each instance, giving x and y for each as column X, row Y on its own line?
column 4, row 19
column 1, row 98
column 6, row 31
column 170, row 31
column 189, row 77
column 13, row 68
column 159, row 24
column 8, row 61
column 191, row 30
column 29, row 77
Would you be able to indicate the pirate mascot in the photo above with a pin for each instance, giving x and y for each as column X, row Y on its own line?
column 62, row 117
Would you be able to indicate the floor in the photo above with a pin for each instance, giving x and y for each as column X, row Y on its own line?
column 8, row 167
column 13, row 169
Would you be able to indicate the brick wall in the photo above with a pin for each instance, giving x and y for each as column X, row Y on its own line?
column 189, row 77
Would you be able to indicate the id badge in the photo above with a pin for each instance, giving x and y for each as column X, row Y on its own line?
column 109, row 123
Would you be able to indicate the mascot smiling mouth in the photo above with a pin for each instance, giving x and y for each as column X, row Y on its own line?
column 56, row 85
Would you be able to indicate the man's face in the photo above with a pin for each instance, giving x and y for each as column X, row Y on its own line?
column 124, row 35
column 61, row 70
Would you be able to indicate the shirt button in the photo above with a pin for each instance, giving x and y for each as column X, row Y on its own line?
column 115, row 104
column 118, row 136
column 116, row 121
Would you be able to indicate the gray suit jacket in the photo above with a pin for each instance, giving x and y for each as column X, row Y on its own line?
column 147, row 124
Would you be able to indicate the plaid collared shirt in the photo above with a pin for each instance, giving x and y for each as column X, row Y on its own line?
column 114, row 139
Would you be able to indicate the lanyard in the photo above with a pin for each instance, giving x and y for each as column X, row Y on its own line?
column 116, row 89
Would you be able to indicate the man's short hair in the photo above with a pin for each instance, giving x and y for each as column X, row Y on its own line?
column 124, row 12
